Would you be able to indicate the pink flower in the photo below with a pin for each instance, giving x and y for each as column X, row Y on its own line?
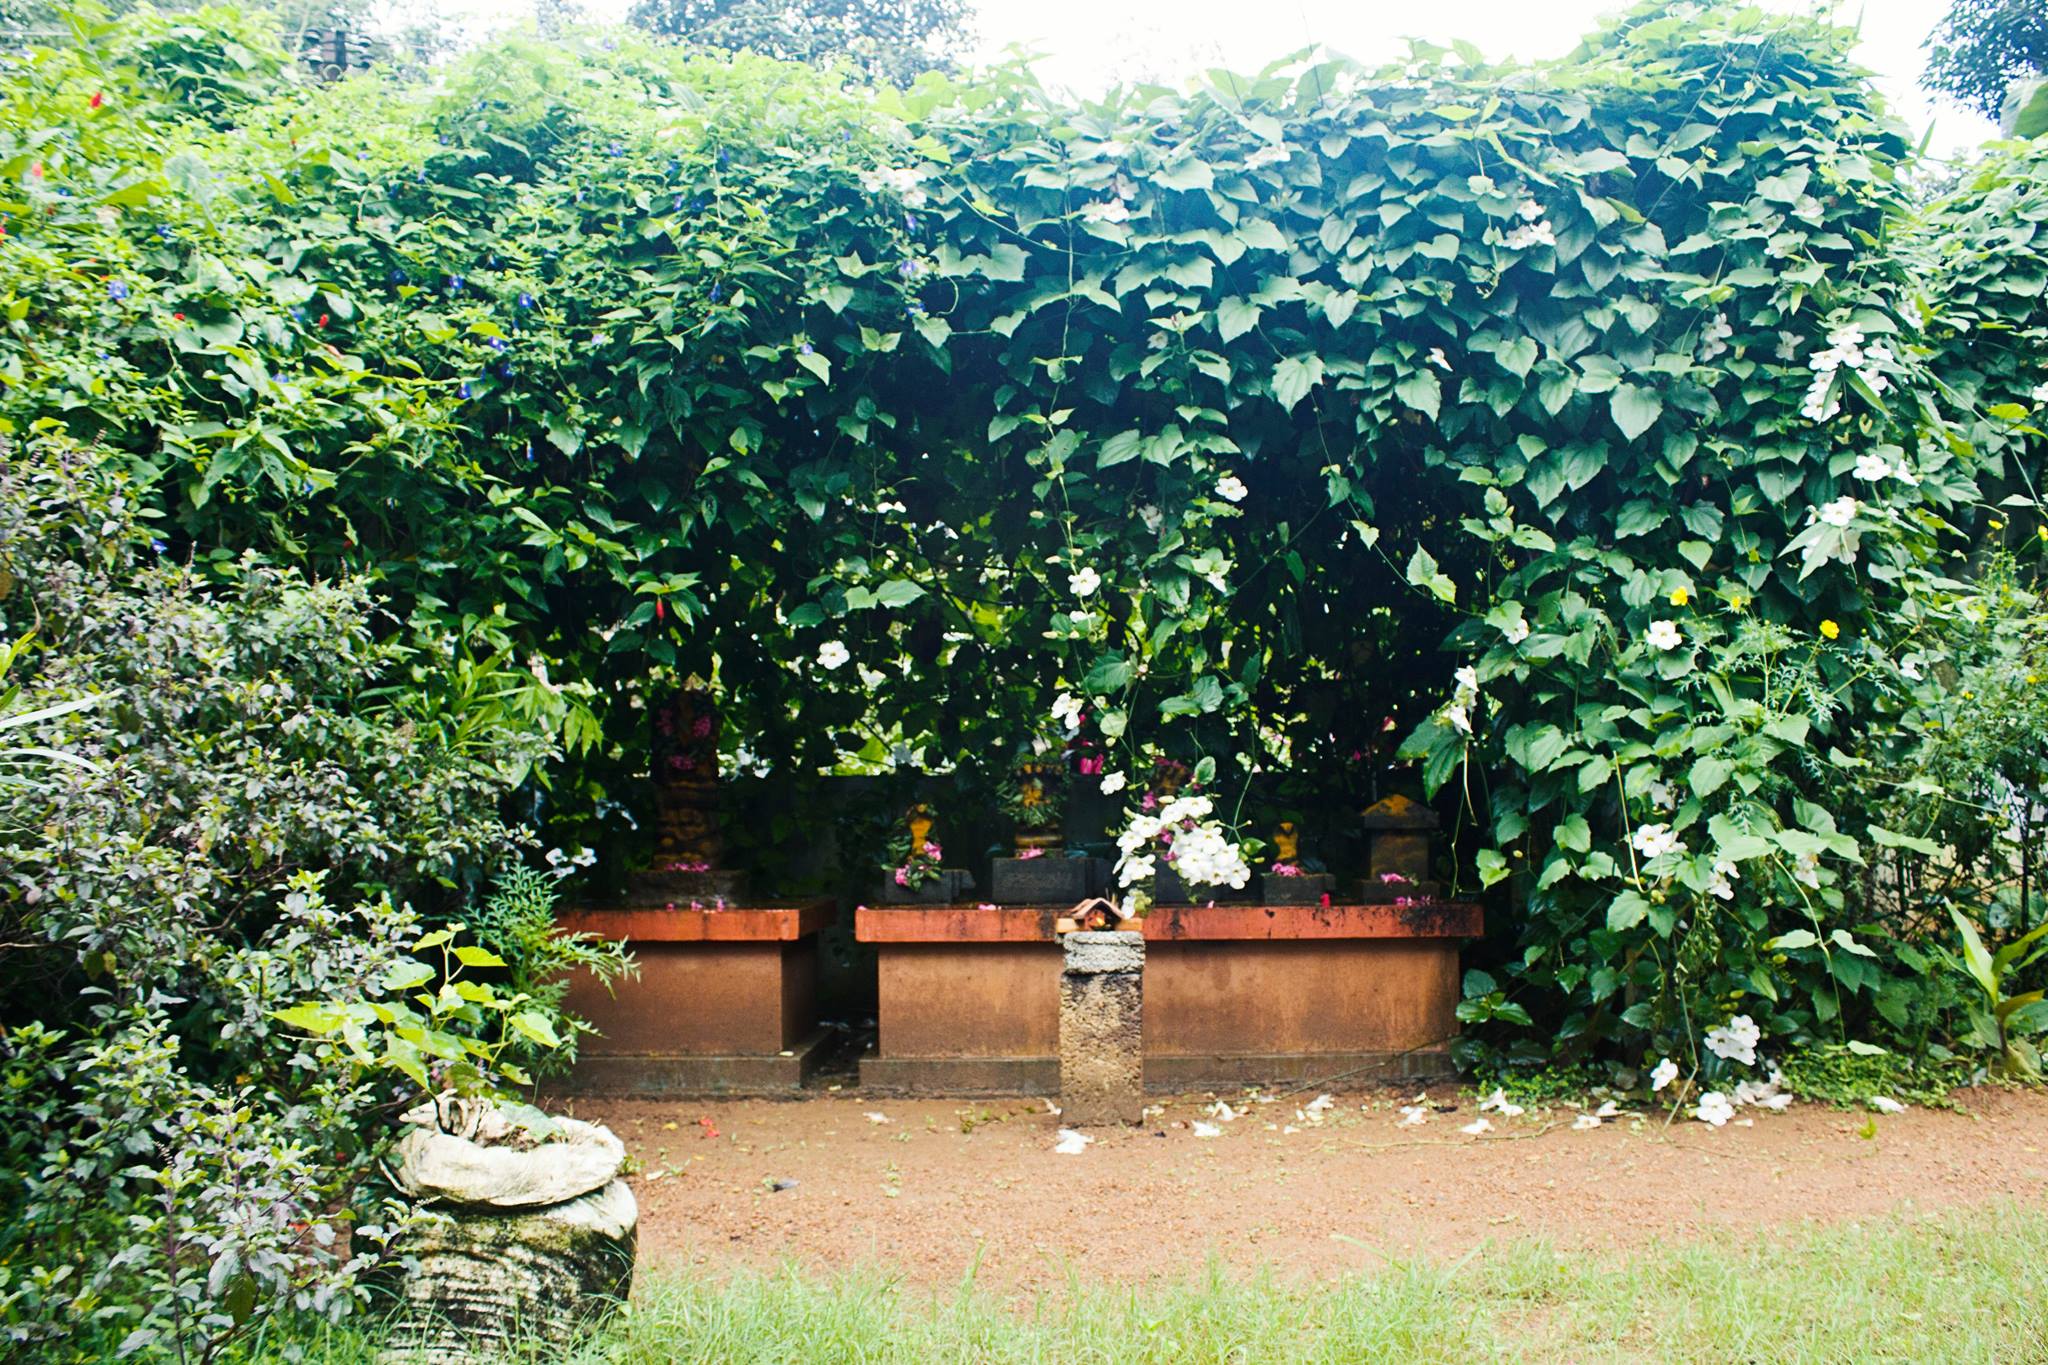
column 1286, row 870
column 701, row 727
column 1392, row 877
column 1032, row 853
column 931, row 850
column 1149, row 802
column 902, row 876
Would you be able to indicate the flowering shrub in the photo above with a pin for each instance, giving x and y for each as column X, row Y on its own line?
column 177, row 1166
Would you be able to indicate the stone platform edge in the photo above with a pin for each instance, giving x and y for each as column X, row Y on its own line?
column 1175, row 923
column 731, row 924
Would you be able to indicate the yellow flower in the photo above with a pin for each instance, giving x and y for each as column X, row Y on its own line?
column 1996, row 524
column 1830, row 629
column 1736, row 601
column 1679, row 597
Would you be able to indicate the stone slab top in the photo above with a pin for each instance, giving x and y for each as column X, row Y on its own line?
column 1175, row 923
column 683, row 924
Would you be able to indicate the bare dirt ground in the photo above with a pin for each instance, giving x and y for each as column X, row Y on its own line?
column 945, row 1187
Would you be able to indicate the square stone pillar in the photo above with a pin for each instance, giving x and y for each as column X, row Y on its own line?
column 1102, row 1029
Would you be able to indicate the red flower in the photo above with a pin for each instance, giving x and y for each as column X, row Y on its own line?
column 97, row 99
column 660, row 611
column 177, row 317
column 323, row 319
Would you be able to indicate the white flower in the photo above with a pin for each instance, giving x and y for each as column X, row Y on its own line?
column 1067, row 708
column 1083, row 582
column 1152, row 517
column 1515, row 631
column 1479, row 184
column 1438, row 359
column 1910, row 668
column 1664, row 635
column 1661, row 794
column 874, row 1116
column 1072, row 1143
column 1321, row 1104
column 1222, row 1111
column 1134, row 869
column 1585, row 1121
column 1476, row 1127
column 1654, row 841
column 1535, row 234
column 1714, row 1109
column 1107, row 211
column 1762, row 1094
column 1460, row 719
column 1467, row 678
column 1113, row 783
column 1736, row 1040
column 1872, row 467
column 1529, row 210
column 1840, row 512
column 1206, row 1130
column 1414, row 1115
column 1231, row 488
column 832, row 653
column 1665, row 1073
column 2040, row 394
column 1885, row 1104
column 1271, row 154
column 1499, row 1102
column 904, row 183
column 1714, row 340
column 1806, row 870
column 1722, row 886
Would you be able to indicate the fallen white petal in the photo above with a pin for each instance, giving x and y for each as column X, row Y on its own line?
column 1206, row 1130
column 1885, row 1104
column 1476, row 1127
column 1072, row 1143
column 876, row 1117
column 1585, row 1121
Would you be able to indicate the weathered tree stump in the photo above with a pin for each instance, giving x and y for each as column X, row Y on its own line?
column 526, row 1241
column 1102, row 1034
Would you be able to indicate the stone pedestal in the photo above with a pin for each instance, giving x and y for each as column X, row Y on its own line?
column 1308, row 888
column 683, row 890
column 1051, row 880
column 1102, row 1029
column 950, row 886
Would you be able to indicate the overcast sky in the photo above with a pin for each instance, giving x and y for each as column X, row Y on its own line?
column 1086, row 44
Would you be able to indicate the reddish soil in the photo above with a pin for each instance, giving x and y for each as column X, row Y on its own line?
column 948, row 1185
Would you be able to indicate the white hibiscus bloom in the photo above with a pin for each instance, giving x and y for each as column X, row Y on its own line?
column 1515, row 631
column 832, row 654
column 1664, row 1074
column 1231, row 488
column 1084, row 582
column 1664, row 635
column 1114, row 783
column 1714, row 1109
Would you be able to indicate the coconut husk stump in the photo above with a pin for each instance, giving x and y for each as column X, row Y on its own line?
column 530, row 1234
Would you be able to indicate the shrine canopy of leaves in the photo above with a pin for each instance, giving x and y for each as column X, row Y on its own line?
column 1559, row 418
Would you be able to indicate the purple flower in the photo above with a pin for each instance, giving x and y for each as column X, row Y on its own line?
column 674, row 166
column 505, row 371
column 117, row 290
column 526, row 300
column 717, row 293
column 455, row 284
column 805, row 348
column 462, row 389
column 157, row 545
column 615, row 150
column 497, row 343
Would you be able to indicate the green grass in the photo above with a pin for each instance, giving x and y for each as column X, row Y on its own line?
column 1957, row 1288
